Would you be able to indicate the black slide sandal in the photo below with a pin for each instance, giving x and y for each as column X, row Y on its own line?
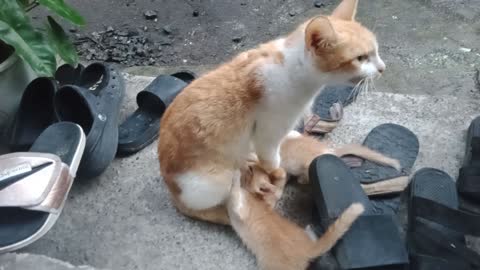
column 141, row 128
column 34, row 114
column 95, row 106
column 436, row 227
column 330, row 95
column 374, row 239
column 383, row 182
column 393, row 141
column 67, row 74
column 31, row 182
column 468, row 183
column 327, row 109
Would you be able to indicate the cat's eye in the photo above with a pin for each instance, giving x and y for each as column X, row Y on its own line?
column 362, row 58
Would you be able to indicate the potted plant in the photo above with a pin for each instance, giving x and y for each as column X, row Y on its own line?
column 27, row 51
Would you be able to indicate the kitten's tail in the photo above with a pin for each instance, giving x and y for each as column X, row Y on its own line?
column 368, row 154
column 337, row 229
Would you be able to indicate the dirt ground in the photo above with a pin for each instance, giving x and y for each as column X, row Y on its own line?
column 182, row 32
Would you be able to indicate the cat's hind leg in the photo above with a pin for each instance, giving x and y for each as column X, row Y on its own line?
column 203, row 193
column 217, row 214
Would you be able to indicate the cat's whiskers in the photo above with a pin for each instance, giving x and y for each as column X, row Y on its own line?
column 371, row 85
column 365, row 87
column 374, row 88
column 355, row 90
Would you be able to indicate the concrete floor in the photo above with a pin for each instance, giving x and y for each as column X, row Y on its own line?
column 125, row 220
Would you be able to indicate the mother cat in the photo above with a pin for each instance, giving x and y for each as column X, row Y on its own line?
column 252, row 102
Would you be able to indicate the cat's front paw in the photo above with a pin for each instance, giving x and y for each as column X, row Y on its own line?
column 271, row 164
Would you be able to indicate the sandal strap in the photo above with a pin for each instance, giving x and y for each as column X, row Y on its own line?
column 469, row 180
column 457, row 220
column 313, row 124
column 160, row 93
column 427, row 238
column 425, row 262
column 34, row 181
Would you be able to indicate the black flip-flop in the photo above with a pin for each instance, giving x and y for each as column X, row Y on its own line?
column 68, row 74
column 34, row 185
column 141, row 128
column 385, row 182
column 374, row 240
column 436, row 227
column 94, row 104
column 327, row 109
column 34, row 115
column 468, row 183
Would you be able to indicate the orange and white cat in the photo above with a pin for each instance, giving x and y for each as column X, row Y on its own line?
column 298, row 151
column 278, row 244
column 252, row 102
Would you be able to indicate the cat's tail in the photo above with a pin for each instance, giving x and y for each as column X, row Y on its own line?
column 368, row 154
column 337, row 230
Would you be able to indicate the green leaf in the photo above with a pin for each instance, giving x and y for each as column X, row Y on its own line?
column 63, row 10
column 24, row 3
column 60, row 41
column 29, row 44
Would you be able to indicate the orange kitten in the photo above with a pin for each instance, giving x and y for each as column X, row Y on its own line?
column 277, row 243
column 298, row 151
column 267, row 187
column 208, row 131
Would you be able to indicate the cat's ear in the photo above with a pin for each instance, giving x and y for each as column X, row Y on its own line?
column 346, row 10
column 320, row 35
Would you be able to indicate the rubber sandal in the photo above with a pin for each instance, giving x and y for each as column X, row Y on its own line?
column 141, row 128
column 436, row 227
column 94, row 104
column 468, row 183
column 34, row 185
column 34, row 115
column 393, row 141
column 67, row 74
column 374, row 239
column 328, row 109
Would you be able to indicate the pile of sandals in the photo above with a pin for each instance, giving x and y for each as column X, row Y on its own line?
column 434, row 235
column 66, row 127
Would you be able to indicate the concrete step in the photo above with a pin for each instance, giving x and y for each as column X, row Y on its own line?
column 25, row 261
column 125, row 219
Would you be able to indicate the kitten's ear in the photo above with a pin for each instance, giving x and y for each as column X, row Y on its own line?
column 320, row 35
column 346, row 10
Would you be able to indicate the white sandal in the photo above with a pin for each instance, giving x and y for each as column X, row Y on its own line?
column 34, row 185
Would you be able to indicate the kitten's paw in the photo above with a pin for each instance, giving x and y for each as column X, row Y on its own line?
column 278, row 174
column 264, row 188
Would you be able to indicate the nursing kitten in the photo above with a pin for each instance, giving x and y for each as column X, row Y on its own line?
column 298, row 151
column 266, row 186
column 208, row 131
column 278, row 244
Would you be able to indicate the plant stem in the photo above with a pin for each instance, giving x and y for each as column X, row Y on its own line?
column 32, row 6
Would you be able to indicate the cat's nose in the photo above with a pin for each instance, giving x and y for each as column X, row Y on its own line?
column 381, row 67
